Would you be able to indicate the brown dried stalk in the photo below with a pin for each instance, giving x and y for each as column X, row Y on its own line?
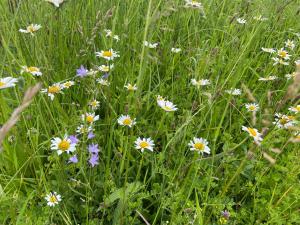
column 28, row 97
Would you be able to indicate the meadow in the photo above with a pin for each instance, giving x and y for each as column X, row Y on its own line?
column 157, row 112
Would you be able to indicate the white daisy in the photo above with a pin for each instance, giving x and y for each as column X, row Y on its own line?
column 193, row 4
column 290, row 44
column 199, row 145
column 62, row 145
column 295, row 109
column 105, row 68
column 83, row 129
column 7, row 82
column 31, row 29
column 175, row 50
column 53, row 90
column 283, row 54
column 279, row 61
column 234, row 91
column 268, row 50
column 253, row 133
column 202, row 82
column 90, row 118
column 144, row 143
column 252, row 107
column 241, row 20
column 150, row 45
column 103, row 82
column 68, row 84
column 35, row 71
column 166, row 105
column 269, row 78
column 126, row 121
column 53, row 199
column 284, row 121
column 56, row 3
column 131, row 87
column 94, row 104
column 108, row 55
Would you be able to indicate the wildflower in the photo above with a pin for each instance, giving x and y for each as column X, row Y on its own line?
column 199, row 145
column 94, row 104
column 74, row 139
column 295, row 109
column 91, row 135
column 103, row 82
column 126, row 121
column 94, row 160
column 82, row 129
column 89, row 117
column 56, row 3
column 166, row 105
column 269, row 78
column 279, row 61
column 104, row 68
column 82, row 71
column 292, row 75
column 234, row 91
column 260, row 18
column 253, row 133
column 93, row 148
column 7, row 82
column 108, row 55
column 31, row 29
column 62, row 145
column 193, row 4
column 110, row 34
column 131, row 87
column 225, row 214
column 32, row 70
column 202, row 82
column 53, row 90
column 175, row 50
column 68, row 84
column 283, row 54
column 241, row 20
column 283, row 121
column 268, row 50
column 53, row 199
column 92, row 72
column 144, row 143
column 290, row 44
column 252, row 107
column 150, row 45
column 73, row 159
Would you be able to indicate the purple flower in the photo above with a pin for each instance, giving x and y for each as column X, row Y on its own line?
column 105, row 76
column 90, row 135
column 94, row 160
column 73, row 159
column 82, row 71
column 225, row 214
column 93, row 149
column 74, row 139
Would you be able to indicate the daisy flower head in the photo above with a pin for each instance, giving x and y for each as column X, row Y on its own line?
column 35, row 71
column 202, row 82
column 89, row 118
column 131, row 87
column 268, row 50
column 166, row 105
column 94, row 104
column 62, row 145
column 253, row 133
column 105, row 68
column 67, row 84
column 269, row 78
column 53, row 90
column 144, row 143
column 193, row 4
column 56, row 3
column 241, row 21
column 252, row 107
column 103, row 82
column 109, row 33
column 83, row 129
column 283, row 54
column 279, row 61
column 283, row 121
column 7, row 82
column 31, row 29
column 199, row 145
column 234, row 91
column 175, row 50
column 53, row 199
column 295, row 109
column 108, row 54
column 125, row 120
column 290, row 44
column 150, row 45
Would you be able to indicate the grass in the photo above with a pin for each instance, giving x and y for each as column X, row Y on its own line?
column 257, row 184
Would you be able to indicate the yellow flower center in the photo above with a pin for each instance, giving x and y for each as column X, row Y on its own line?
column 94, row 103
column 68, row 84
column 297, row 108
column 127, row 121
column 199, row 146
column 30, row 29
column 53, row 199
column 282, row 54
column 144, row 144
column 167, row 108
column 252, row 107
column 64, row 145
column 89, row 118
column 54, row 89
column 33, row 69
column 252, row 131
column 107, row 53
column 105, row 68
column 283, row 121
column 2, row 84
